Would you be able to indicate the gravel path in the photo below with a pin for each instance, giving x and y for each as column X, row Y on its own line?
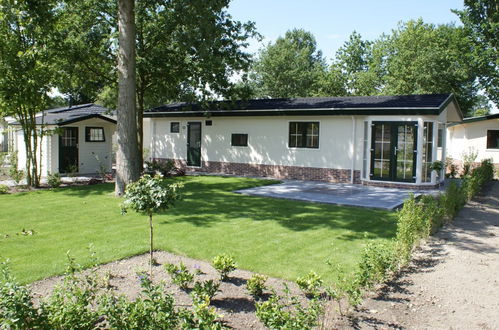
column 453, row 282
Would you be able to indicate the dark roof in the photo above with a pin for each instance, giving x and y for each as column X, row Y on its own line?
column 398, row 104
column 481, row 118
column 67, row 115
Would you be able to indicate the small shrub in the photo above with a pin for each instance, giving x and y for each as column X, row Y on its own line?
column 180, row 275
column 378, row 260
column 469, row 158
column 17, row 310
column 433, row 212
column 224, row 264
column 201, row 317
column 256, row 285
column 54, row 180
column 153, row 309
column 412, row 225
column 452, row 200
column 4, row 189
column 165, row 168
column 288, row 313
column 310, row 284
column 204, row 291
column 72, row 170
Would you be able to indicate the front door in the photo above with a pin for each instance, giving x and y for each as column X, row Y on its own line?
column 68, row 150
column 194, row 144
column 393, row 151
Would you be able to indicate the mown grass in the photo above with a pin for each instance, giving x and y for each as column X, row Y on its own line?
column 276, row 237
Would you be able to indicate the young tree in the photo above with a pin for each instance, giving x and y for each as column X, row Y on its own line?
column 128, row 167
column 26, row 72
column 481, row 20
column 150, row 195
column 290, row 67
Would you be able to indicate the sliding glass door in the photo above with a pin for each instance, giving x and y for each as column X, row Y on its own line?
column 393, row 151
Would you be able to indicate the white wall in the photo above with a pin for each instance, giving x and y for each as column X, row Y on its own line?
column 88, row 164
column 472, row 135
column 267, row 141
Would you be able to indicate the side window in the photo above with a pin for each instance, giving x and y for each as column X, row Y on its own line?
column 493, row 139
column 174, row 127
column 239, row 140
column 303, row 134
column 94, row 134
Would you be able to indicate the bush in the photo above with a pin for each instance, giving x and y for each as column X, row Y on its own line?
column 4, row 189
column 434, row 213
column 202, row 317
column 204, row 291
column 310, row 284
column 378, row 260
column 165, row 168
column 180, row 275
column 452, row 200
column 256, row 285
column 288, row 313
column 54, row 180
column 224, row 264
column 17, row 310
column 154, row 309
column 412, row 225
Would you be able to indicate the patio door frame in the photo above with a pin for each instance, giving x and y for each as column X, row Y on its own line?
column 394, row 125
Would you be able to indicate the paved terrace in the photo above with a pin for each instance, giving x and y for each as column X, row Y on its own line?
column 337, row 193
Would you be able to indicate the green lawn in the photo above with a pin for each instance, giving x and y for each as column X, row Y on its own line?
column 280, row 238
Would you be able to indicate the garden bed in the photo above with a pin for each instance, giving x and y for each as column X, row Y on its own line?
column 232, row 301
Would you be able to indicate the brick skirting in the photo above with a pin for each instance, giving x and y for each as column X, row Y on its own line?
column 274, row 171
column 400, row 185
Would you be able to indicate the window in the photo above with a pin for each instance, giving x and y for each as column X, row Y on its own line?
column 94, row 134
column 239, row 140
column 493, row 139
column 208, row 122
column 304, row 134
column 174, row 127
column 440, row 137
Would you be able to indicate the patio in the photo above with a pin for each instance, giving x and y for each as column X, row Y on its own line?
column 337, row 193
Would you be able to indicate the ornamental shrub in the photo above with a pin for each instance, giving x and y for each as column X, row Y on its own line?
column 180, row 275
column 256, row 285
column 4, row 189
column 54, row 180
column 224, row 264
column 310, row 284
column 204, row 290
column 378, row 260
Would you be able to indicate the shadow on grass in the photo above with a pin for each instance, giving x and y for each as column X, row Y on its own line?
column 206, row 204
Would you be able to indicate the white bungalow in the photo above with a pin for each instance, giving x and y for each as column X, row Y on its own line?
column 375, row 140
column 81, row 141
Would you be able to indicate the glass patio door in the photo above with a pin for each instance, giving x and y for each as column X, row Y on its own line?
column 393, row 151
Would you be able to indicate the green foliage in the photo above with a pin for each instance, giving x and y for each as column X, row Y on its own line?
column 153, row 309
column 481, row 20
column 150, row 195
column 290, row 67
column 202, row 317
column 204, row 290
column 310, row 284
column 452, row 200
column 224, row 264
column 469, row 158
column 434, row 212
column 3, row 189
column 54, row 180
column 412, row 226
column 165, row 168
column 256, row 285
column 17, row 310
column 378, row 261
column 14, row 173
column 286, row 312
column 180, row 275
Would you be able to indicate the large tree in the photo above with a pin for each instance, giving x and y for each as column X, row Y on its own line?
column 26, row 71
column 423, row 58
column 186, row 50
column 481, row 20
column 128, row 166
column 292, row 66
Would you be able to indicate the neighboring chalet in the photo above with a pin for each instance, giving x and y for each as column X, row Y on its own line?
column 374, row 140
column 478, row 134
column 80, row 140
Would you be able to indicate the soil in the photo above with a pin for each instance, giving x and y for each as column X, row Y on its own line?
column 453, row 281
column 232, row 301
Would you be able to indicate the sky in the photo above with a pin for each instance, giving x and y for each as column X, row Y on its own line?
column 331, row 22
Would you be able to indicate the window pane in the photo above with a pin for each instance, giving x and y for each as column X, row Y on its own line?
column 239, row 140
column 174, row 127
column 304, row 134
column 493, row 139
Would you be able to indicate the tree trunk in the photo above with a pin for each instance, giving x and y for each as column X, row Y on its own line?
column 151, row 257
column 127, row 158
column 140, row 127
